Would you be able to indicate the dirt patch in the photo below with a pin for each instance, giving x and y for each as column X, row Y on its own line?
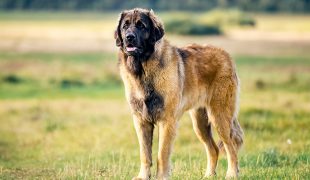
column 94, row 36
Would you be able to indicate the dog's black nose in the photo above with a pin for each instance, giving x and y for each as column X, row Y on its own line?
column 130, row 37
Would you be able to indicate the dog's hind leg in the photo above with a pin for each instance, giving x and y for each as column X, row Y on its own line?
column 203, row 131
column 221, row 112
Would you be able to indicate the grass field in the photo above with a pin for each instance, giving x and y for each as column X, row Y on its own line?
column 63, row 113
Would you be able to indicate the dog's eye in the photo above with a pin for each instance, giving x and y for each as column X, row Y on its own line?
column 126, row 24
column 140, row 25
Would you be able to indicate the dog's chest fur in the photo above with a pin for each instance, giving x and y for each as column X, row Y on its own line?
column 142, row 88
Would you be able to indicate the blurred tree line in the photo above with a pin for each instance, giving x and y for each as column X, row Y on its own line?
column 301, row 6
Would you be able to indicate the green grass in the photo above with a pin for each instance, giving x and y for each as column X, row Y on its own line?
column 46, row 75
column 46, row 143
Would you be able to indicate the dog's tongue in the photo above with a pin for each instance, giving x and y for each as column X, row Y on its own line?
column 131, row 48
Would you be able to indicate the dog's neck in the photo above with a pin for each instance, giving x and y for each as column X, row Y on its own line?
column 135, row 63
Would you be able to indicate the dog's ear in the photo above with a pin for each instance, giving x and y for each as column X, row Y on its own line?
column 158, row 28
column 117, row 33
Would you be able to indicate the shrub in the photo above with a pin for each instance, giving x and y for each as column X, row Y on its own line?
column 210, row 23
column 67, row 83
column 247, row 21
column 232, row 17
column 189, row 27
column 260, row 84
column 12, row 79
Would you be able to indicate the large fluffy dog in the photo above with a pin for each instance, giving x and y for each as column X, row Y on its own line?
column 163, row 81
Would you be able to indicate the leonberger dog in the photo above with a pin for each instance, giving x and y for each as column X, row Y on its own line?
column 163, row 81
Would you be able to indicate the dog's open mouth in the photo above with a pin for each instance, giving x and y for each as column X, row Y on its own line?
column 130, row 48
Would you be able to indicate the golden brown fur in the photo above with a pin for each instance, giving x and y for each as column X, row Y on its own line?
column 195, row 78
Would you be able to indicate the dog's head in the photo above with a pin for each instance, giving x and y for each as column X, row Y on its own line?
column 137, row 32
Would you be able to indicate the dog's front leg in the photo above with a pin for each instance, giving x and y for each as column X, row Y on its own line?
column 167, row 131
column 144, row 132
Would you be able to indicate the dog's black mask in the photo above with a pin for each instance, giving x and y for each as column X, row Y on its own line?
column 137, row 32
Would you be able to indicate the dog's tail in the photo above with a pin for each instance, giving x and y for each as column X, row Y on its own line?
column 236, row 134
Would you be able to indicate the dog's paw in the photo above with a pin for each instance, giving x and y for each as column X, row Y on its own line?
column 140, row 178
column 210, row 174
column 162, row 178
column 231, row 175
